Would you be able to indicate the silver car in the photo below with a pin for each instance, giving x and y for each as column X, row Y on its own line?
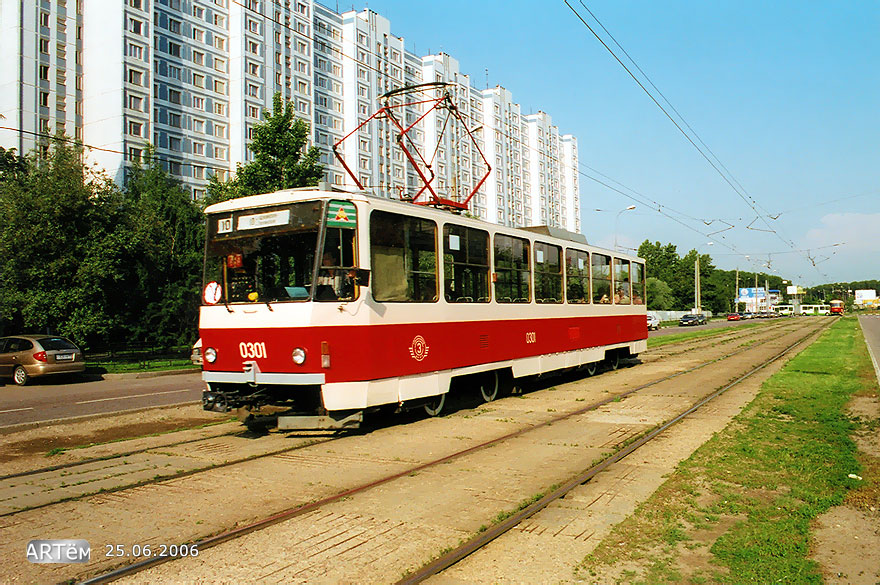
column 653, row 322
column 23, row 357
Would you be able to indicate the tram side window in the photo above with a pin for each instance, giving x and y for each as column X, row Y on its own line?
column 512, row 274
column 622, row 292
column 577, row 275
column 404, row 258
column 601, row 270
column 638, row 283
column 465, row 264
column 548, row 273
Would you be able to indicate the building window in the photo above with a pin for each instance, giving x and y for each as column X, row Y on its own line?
column 174, row 26
column 136, row 102
column 220, row 86
column 253, row 48
column 198, row 102
column 219, row 65
column 220, row 42
column 134, row 154
column 136, row 51
column 44, row 46
column 135, row 77
column 199, row 12
column 219, row 130
column 174, row 72
column 219, row 20
column 198, row 126
column 198, row 35
column 198, row 148
column 253, row 111
column 174, row 49
column 174, row 144
column 198, row 80
column 253, row 69
column 44, row 72
column 198, row 57
column 253, row 90
column 135, row 128
column 174, row 120
column 220, row 153
column 174, row 96
column 135, row 26
column 220, row 108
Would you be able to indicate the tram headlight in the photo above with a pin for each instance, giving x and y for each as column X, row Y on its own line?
column 299, row 356
column 210, row 355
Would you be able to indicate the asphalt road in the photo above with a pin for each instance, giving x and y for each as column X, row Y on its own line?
column 871, row 330
column 50, row 399
column 714, row 324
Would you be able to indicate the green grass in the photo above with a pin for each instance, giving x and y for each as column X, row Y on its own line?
column 745, row 500
column 688, row 335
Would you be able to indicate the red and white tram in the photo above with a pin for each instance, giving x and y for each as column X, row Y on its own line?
column 836, row 307
column 321, row 305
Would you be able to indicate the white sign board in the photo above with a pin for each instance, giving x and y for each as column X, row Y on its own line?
column 865, row 295
column 261, row 220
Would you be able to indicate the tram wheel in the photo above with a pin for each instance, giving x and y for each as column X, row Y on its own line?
column 591, row 368
column 435, row 405
column 613, row 360
column 490, row 384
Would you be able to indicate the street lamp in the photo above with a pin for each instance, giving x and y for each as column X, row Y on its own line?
column 615, row 223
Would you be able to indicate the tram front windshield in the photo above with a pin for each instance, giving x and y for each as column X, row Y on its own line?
column 269, row 255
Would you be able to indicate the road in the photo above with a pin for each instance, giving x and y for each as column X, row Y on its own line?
column 49, row 399
column 714, row 324
column 871, row 330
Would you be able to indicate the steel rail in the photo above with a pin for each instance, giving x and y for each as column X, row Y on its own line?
column 285, row 515
column 481, row 540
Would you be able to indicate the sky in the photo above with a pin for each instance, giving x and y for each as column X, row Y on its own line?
column 782, row 97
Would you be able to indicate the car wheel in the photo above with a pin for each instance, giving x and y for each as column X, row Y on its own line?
column 20, row 377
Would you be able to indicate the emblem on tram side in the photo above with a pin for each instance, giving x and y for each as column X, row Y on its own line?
column 419, row 348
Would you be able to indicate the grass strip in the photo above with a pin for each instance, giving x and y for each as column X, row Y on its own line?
column 739, row 509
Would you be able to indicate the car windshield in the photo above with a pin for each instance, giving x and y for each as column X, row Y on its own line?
column 55, row 343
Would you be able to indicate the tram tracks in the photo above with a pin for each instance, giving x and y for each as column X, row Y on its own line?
column 149, row 465
column 410, row 471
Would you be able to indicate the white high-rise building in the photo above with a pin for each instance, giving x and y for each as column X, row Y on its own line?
column 193, row 77
column 41, row 72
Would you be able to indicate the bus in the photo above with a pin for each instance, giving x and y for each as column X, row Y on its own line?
column 815, row 309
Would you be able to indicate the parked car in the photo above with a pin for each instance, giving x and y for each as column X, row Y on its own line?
column 653, row 322
column 23, row 357
column 196, row 355
column 689, row 319
column 748, row 315
column 734, row 316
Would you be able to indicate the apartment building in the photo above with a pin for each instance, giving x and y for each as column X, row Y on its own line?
column 41, row 72
column 193, row 77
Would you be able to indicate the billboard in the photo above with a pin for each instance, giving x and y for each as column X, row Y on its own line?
column 792, row 290
column 748, row 295
column 865, row 295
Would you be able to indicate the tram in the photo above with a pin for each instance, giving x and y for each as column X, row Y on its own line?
column 321, row 305
column 836, row 307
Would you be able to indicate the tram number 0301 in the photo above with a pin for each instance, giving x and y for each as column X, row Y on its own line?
column 252, row 350
column 531, row 337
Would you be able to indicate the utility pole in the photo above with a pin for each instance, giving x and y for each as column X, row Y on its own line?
column 756, row 291
column 697, row 285
column 736, row 294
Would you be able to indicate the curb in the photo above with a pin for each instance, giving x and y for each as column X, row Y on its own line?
column 138, row 375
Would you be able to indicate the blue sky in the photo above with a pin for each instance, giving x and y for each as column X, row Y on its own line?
column 785, row 94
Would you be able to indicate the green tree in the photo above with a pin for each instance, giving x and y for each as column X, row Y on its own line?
column 166, row 233
column 660, row 259
column 660, row 297
column 281, row 157
column 60, row 258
